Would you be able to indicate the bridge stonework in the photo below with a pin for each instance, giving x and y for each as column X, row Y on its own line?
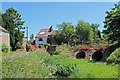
column 96, row 55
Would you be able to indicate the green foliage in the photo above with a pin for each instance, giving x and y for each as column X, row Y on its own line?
column 84, row 31
column 12, row 21
column 7, row 54
column 5, row 48
column 18, row 45
column 46, row 44
column 41, row 46
column 64, row 66
column 56, row 52
column 39, row 64
column 112, row 24
column 29, row 43
column 96, row 32
column 114, row 57
column 32, row 37
column 67, row 33
column 63, row 48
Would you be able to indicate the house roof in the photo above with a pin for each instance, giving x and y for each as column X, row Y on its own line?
column 3, row 29
column 45, row 33
column 42, row 32
column 52, row 32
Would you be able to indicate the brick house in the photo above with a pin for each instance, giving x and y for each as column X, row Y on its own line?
column 4, row 37
column 43, row 35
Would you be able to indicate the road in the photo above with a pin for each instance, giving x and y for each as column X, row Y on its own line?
column 18, row 55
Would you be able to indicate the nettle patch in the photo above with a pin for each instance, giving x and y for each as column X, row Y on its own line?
column 63, row 66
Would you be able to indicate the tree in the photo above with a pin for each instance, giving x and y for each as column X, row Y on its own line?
column 112, row 24
column 12, row 22
column 32, row 37
column 84, row 31
column 67, row 32
column 96, row 32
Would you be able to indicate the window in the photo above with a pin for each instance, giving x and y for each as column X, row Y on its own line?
column 40, row 39
column 42, row 32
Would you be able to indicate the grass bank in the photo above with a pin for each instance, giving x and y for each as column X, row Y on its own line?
column 39, row 64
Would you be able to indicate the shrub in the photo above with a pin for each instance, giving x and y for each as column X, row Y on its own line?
column 18, row 45
column 64, row 66
column 65, row 69
column 22, row 48
column 57, row 52
column 28, row 44
column 46, row 44
column 5, row 48
column 114, row 57
column 41, row 46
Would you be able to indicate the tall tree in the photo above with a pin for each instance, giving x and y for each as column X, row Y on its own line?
column 67, row 32
column 12, row 21
column 32, row 37
column 112, row 24
column 84, row 31
column 96, row 32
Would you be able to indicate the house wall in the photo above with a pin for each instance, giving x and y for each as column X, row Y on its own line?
column 4, row 38
column 37, row 42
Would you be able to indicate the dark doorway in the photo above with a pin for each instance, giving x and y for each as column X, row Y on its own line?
column 97, row 56
column 80, row 55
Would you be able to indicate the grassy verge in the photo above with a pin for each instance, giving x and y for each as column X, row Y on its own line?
column 98, row 70
column 39, row 64
column 0, row 65
column 4, row 54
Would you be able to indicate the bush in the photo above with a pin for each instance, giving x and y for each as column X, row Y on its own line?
column 28, row 44
column 18, row 45
column 57, row 52
column 114, row 57
column 46, row 44
column 64, row 66
column 41, row 46
column 5, row 48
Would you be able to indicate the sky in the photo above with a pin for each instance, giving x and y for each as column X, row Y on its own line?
column 38, row 15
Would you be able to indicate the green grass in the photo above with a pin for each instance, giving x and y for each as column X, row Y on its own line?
column 98, row 70
column 0, row 65
column 4, row 54
column 26, row 67
column 33, row 65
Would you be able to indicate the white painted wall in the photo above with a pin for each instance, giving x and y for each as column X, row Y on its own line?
column 37, row 42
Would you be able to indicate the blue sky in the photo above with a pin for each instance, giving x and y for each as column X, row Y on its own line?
column 38, row 15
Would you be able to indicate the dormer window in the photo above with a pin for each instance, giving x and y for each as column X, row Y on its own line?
column 42, row 32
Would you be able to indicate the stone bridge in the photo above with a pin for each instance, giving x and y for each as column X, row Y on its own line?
column 95, row 54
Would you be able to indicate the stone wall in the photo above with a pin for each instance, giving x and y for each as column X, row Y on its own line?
column 94, row 55
column 4, row 38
